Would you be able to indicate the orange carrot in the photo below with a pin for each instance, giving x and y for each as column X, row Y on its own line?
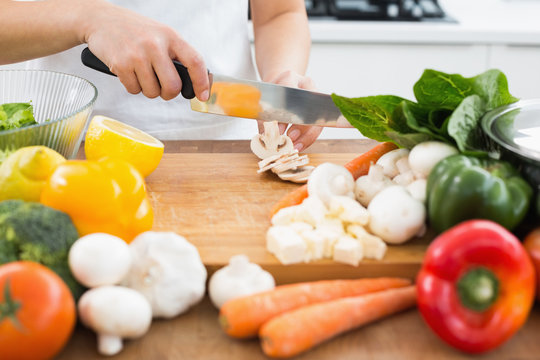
column 296, row 331
column 242, row 317
column 358, row 166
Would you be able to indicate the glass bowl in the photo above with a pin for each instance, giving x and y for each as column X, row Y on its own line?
column 62, row 106
column 515, row 130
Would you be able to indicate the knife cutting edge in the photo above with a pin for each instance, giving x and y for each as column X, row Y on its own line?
column 252, row 99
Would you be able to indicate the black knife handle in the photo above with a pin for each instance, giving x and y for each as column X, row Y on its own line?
column 91, row 60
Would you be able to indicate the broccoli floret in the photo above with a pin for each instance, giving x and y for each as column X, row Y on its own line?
column 34, row 232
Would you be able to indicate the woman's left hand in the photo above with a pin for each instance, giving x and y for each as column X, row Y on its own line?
column 301, row 135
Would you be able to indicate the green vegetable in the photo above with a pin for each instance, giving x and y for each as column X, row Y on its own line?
column 32, row 231
column 464, row 187
column 448, row 108
column 16, row 115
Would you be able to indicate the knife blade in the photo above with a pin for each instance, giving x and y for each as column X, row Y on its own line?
column 250, row 99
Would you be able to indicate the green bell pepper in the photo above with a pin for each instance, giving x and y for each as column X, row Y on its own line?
column 463, row 187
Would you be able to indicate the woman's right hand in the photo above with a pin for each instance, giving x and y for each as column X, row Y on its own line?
column 140, row 51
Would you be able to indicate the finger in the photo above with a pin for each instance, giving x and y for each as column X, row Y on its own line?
column 308, row 135
column 169, row 80
column 287, row 78
column 196, row 66
column 147, row 79
column 306, row 83
column 130, row 82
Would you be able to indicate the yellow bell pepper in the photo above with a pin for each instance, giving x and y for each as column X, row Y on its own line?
column 108, row 195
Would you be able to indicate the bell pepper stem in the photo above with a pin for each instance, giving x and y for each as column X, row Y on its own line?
column 478, row 289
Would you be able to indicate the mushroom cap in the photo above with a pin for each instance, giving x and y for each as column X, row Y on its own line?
column 115, row 310
column 99, row 259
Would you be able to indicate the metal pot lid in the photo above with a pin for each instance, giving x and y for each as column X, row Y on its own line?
column 516, row 127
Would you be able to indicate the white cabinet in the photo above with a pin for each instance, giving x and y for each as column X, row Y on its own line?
column 372, row 69
column 521, row 64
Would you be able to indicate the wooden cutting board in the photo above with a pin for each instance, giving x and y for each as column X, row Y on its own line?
column 221, row 205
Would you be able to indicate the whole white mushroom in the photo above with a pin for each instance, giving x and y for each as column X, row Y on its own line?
column 424, row 156
column 395, row 216
column 114, row 313
column 99, row 259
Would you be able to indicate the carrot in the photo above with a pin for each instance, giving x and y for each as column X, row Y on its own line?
column 299, row 330
column 242, row 317
column 358, row 166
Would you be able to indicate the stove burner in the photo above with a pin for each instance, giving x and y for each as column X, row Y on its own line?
column 391, row 10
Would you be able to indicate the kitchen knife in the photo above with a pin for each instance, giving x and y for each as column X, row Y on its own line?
column 252, row 99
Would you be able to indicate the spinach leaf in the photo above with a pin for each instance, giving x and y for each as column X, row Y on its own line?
column 464, row 125
column 492, row 87
column 370, row 115
column 442, row 91
column 448, row 108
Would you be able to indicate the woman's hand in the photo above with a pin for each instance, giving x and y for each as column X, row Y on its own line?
column 140, row 50
column 301, row 135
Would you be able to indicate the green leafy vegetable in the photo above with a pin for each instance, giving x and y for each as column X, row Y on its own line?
column 16, row 115
column 34, row 232
column 448, row 108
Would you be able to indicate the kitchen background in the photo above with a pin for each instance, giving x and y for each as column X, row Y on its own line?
column 372, row 47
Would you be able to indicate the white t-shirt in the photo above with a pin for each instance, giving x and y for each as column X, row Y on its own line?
column 217, row 29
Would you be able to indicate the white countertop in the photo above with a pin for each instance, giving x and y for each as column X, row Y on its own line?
column 478, row 21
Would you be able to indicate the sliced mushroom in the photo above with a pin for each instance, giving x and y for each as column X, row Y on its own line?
column 274, row 161
column 291, row 164
column 271, row 142
column 298, row 175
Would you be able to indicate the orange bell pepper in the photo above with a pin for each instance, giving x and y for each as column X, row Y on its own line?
column 241, row 100
column 108, row 195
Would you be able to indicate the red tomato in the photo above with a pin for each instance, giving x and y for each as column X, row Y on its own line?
column 532, row 245
column 37, row 312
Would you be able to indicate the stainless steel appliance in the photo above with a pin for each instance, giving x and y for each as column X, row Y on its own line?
column 389, row 10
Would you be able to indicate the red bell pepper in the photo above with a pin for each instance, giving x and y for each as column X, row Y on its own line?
column 476, row 286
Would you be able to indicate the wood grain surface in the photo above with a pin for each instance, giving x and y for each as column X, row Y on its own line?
column 209, row 192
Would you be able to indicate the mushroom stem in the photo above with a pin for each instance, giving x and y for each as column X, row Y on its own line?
column 109, row 344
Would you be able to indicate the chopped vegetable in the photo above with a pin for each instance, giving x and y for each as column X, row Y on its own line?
column 37, row 312
column 463, row 187
column 16, row 115
column 476, row 286
column 357, row 167
column 239, row 278
column 271, row 142
column 299, row 330
column 108, row 195
column 34, row 232
column 243, row 317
